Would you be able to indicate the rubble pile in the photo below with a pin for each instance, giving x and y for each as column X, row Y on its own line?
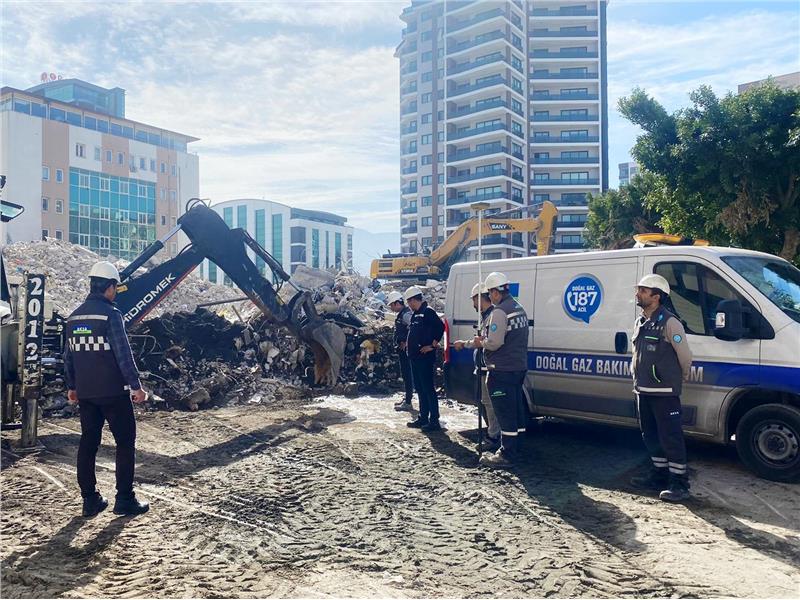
column 66, row 267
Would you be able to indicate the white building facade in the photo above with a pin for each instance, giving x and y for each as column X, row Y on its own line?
column 502, row 102
column 293, row 236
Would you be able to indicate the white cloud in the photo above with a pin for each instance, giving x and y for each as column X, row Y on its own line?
column 670, row 61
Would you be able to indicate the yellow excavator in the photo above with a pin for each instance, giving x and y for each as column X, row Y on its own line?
column 436, row 264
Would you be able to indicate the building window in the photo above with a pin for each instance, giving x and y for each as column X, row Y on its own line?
column 120, row 158
column 98, row 153
column 241, row 216
column 45, row 173
column 427, row 200
column 426, row 139
column 277, row 237
column 105, row 184
column 163, row 220
column 428, row 76
column 59, row 176
column 427, row 117
column 45, row 204
column 174, row 170
column 124, row 187
column 426, row 98
column 163, row 194
column 153, row 165
column 426, row 221
column 164, row 170
column 45, row 234
column 59, row 234
column 173, row 248
column 315, row 248
column 427, row 159
column 143, row 163
column 212, row 272
column 427, row 180
column 59, row 206
column 80, row 150
column 440, row 219
column 109, row 156
column 173, row 195
column 227, row 216
column 337, row 249
column 174, row 221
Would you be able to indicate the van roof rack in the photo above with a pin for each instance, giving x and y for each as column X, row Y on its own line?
column 665, row 239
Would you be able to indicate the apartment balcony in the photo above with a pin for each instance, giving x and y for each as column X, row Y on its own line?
column 408, row 129
column 564, row 75
column 500, row 240
column 476, row 131
column 575, row 224
column 408, row 171
column 547, row 54
column 467, row 200
column 408, row 70
column 482, row 39
column 564, row 11
column 481, row 175
column 410, row 29
column 408, row 189
column 408, row 230
column 407, row 151
column 567, row 160
column 408, row 110
column 563, row 118
column 467, row 154
column 479, row 18
column 409, row 210
column 563, row 33
column 466, row 66
column 483, row 106
column 560, row 182
column 538, row 96
column 410, row 89
column 586, row 139
column 568, row 246
column 466, row 88
column 411, row 48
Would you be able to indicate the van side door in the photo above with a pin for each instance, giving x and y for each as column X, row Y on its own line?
column 584, row 311
column 696, row 287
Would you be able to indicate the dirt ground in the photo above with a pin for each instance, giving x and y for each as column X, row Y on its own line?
column 339, row 498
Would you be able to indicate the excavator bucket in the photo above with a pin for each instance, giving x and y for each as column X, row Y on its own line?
column 327, row 342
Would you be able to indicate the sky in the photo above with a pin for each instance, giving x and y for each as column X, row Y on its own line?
column 297, row 102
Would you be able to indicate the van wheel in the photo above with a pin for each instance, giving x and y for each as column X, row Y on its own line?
column 768, row 442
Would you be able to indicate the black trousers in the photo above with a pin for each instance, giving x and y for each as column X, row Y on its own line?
column 422, row 372
column 118, row 411
column 660, row 422
column 505, row 391
column 405, row 372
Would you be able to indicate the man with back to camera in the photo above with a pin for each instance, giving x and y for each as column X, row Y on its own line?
column 481, row 302
column 505, row 348
column 402, row 321
column 424, row 333
column 661, row 362
column 102, row 376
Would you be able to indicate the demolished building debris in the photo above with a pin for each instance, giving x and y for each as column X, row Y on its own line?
column 192, row 357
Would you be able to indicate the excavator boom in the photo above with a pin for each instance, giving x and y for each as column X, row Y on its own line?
column 211, row 238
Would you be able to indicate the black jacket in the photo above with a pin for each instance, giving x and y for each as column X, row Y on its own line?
column 401, row 326
column 426, row 327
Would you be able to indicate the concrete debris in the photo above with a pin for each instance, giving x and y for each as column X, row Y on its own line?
column 67, row 266
column 192, row 358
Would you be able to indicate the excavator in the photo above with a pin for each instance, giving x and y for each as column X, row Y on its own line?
column 437, row 264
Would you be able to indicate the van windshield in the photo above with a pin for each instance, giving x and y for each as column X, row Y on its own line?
column 777, row 279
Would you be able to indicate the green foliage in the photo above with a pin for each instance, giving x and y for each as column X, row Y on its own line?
column 730, row 167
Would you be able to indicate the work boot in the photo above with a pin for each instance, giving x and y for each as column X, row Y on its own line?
column 678, row 489
column 655, row 480
column 404, row 405
column 431, row 427
column 417, row 423
column 498, row 460
column 94, row 504
column 491, row 444
column 130, row 505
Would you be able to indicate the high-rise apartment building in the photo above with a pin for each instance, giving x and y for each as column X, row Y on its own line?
column 87, row 174
column 627, row 171
column 503, row 102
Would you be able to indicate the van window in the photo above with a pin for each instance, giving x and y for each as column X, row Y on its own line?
column 695, row 292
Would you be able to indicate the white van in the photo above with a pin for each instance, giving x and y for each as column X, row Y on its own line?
column 741, row 311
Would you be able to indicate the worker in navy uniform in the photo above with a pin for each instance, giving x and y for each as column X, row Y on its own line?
column 505, row 350
column 662, row 361
column 424, row 333
column 102, row 378
column 481, row 302
column 402, row 321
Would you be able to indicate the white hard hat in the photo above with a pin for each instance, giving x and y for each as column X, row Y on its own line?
column 394, row 297
column 654, row 281
column 496, row 280
column 478, row 288
column 411, row 292
column 105, row 270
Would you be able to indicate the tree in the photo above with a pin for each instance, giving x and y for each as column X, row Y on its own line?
column 616, row 215
column 731, row 166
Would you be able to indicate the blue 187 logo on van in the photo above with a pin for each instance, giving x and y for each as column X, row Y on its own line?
column 582, row 298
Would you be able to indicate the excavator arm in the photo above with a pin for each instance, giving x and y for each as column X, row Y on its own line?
column 212, row 239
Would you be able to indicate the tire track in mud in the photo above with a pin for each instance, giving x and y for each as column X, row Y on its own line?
column 246, row 511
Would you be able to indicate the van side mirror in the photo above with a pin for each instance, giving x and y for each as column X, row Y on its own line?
column 728, row 322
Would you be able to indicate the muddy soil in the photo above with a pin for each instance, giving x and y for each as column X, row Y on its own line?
column 339, row 498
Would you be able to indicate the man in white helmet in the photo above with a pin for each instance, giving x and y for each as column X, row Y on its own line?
column 402, row 321
column 661, row 363
column 505, row 348
column 482, row 303
column 102, row 376
column 424, row 333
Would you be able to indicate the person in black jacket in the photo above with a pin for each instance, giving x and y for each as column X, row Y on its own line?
column 424, row 333
column 402, row 321
column 102, row 376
